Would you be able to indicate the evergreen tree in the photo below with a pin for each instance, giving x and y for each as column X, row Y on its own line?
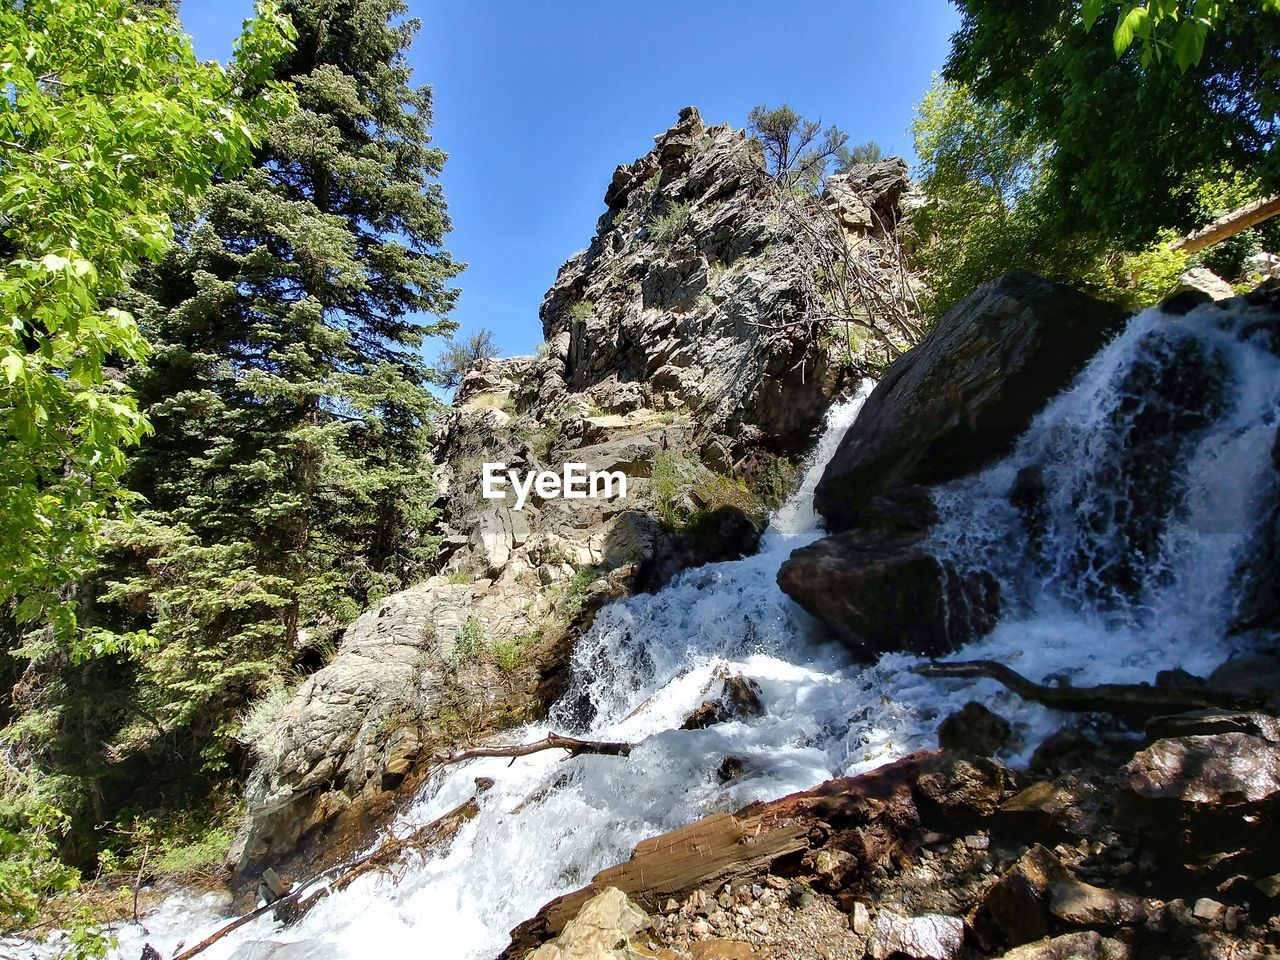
column 287, row 477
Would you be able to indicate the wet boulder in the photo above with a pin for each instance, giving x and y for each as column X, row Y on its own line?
column 974, row 729
column 959, row 400
column 1219, row 769
column 882, row 594
column 739, row 700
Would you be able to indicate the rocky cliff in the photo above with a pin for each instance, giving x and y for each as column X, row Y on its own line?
column 690, row 347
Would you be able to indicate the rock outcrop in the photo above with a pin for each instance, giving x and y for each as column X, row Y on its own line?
column 960, row 399
column 954, row 404
column 683, row 350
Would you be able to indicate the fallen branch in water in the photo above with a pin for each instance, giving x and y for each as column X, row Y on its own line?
column 291, row 907
column 1135, row 701
column 554, row 741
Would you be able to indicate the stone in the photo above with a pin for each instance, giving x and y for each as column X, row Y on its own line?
column 881, row 594
column 1197, row 722
column 963, row 790
column 834, row 868
column 860, row 919
column 974, row 729
column 602, row 930
column 960, row 399
column 1250, row 675
column 1045, row 809
column 931, row 936
column 1215, row 769
column 1015, row 909
column 1088, row 945
column 1205, row 281
column 723, row 950
column 331, row 738
column 1210, row 911
column 739, row 700
column 1084, row 905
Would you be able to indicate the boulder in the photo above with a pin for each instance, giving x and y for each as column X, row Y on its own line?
column 602, row 930
column 1015, row 909
column 739, row 700
column 881, row 594
column 1082, row 904
column 965, row 791
column 334, row 737
column 1088, row 945
column 974, row 729
column 1205, row 281
column 959, row 400
column 1214, row 769
column 932, row 936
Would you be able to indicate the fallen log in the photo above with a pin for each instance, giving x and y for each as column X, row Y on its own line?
column 291, row 907
column 1227, row 226
column 553, row 741
column 727, row 847
column 1137, row 702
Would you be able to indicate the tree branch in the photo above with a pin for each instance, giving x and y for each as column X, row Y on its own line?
column 1136, row 702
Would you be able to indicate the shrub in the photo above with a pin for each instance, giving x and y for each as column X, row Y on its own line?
column 471, row 641
column 672, row 477
column 581, row 312
column 507, row 653
column 666, row 228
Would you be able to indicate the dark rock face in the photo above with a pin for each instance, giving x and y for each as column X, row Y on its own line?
column 960, row 399
column 974, row 729
column 883, row 593
column 739, row 700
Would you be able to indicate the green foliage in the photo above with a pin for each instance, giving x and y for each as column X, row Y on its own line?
column 459, row 578
column 109, row 123
column 1125, row 147
column 471, row 642
column 1163, row 27
column 669, row 226
column 849, row 156
column 460, row 355
column 672, row 476
column 575, row 591
column 580, row 312
column 798, row 152
column 507, row 653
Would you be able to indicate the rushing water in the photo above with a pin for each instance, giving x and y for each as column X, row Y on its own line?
column 1149, row 492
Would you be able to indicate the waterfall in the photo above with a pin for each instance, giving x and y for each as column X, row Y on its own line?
column 1135, row 494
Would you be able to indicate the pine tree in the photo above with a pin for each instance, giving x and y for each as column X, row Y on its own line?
column 287, row 479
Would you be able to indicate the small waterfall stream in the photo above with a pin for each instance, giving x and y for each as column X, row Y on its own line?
column 1141, row 495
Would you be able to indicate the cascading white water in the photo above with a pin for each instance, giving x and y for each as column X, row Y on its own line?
column 1131, row 570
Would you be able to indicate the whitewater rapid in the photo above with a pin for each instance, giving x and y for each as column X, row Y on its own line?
column 549, row 824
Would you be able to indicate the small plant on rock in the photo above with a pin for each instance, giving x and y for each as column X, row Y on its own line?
column 668, row 227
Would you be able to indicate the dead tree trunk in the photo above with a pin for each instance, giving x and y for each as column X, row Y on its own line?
column 1227, row 226
column 1134, row 701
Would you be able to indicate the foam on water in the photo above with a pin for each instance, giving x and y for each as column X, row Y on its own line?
column 1092, row 596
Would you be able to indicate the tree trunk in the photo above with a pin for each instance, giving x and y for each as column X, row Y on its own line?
column 1227, row 226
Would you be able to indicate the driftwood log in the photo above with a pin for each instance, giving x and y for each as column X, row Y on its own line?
column 1136, row 702
column 292, row 906
column 1225, row 227
column 724, row 847
column 554, row 741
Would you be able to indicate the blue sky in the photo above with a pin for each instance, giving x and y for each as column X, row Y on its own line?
column 538, row 100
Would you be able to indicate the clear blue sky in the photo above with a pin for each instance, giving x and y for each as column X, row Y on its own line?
column 538, row 100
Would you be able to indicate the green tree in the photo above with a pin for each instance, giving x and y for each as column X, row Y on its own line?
column 287, row 481
column 797, row 151
column 1126, row 146
column 1164, row 27
column 107, row 126
column 848, row 156
column 461, row 354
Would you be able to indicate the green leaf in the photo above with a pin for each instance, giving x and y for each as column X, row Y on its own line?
column 13, row 366
column 1090, row 10
column 1132, row 23
column 1188, row 44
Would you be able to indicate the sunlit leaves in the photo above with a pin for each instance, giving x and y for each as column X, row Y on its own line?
column 109, row 124
column 1161, row 28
